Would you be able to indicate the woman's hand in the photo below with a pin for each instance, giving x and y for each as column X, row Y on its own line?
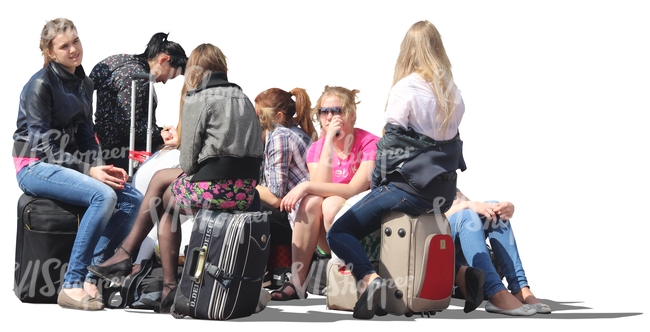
column 169, row 136
column 292, row 198
column 485, row 209
column 110, row 175
column 505, row 210
column 335, row 125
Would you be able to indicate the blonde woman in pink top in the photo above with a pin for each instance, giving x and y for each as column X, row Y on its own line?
column 340, row 166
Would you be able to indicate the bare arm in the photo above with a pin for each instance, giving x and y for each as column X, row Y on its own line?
column 267, row 197
column 485, row 209
column 461, row 202
column 359, row 183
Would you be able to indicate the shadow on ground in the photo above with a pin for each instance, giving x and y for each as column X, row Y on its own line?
column 277, row 312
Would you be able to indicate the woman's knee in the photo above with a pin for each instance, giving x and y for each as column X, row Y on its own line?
column 469, row 221
column 311, row 204
column 330, row 208
column 106, row 195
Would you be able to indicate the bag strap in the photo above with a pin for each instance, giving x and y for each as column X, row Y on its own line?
column 224, row 278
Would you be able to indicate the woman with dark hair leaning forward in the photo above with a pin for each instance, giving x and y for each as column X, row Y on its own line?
column 424, row 109
column 165, row 60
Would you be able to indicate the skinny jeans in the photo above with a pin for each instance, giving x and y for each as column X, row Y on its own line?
column 105, row 224
column 470, row 232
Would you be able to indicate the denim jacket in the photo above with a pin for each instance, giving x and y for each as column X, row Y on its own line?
column 417, row 158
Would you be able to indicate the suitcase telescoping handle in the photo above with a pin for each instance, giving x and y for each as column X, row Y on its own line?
column 151, row 80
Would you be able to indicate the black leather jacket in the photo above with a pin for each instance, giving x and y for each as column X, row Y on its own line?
column 55, row 119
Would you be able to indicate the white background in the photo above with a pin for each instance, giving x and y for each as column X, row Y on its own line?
column 556, row 122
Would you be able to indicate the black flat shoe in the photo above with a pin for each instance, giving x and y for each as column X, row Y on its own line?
column 369, row 301
column 474, row 279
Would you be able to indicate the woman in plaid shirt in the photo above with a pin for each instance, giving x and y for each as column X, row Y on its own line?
column 287, row 133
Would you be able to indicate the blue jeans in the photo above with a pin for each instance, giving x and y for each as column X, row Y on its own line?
column 102, row 228
column 469, row 232
column 363, row 218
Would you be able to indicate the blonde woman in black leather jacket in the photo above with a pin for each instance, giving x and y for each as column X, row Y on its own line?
column 57, row 157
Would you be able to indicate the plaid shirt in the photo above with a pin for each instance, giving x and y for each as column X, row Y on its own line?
column 284, row 164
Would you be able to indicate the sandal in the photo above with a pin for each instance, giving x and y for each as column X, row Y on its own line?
column 285, row 296
column 165, row 306
column 114, row 273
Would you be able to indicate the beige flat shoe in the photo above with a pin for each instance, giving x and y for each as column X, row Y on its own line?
column 542, row 308
column 524, row 310
column 87, row 303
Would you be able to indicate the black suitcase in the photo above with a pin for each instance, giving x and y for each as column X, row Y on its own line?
column 45, row 234
column 224, row 268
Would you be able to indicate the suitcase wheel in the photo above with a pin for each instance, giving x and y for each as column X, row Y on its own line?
column 174, row 314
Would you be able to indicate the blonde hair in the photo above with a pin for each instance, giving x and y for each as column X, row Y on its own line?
column 423, row 52
column 348, row 102
column 272, row 101
column 204, row 59
column 52, row 29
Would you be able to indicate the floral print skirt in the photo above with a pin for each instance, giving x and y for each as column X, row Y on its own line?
column 214, row 195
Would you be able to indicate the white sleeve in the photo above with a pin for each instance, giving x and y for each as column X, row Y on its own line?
column 399, row 106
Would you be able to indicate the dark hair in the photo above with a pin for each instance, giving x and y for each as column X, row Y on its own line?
column 159, row 44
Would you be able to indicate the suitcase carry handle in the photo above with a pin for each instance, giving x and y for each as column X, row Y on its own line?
column 197, row 263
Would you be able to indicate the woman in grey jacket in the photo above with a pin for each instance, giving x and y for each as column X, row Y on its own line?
column 221, row 155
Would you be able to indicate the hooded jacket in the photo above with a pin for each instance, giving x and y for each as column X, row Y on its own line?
column 55, row 121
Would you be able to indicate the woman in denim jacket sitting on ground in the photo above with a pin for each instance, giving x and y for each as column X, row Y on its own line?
column 471, row 223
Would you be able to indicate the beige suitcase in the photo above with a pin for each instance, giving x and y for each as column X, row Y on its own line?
column 341, row 285
column 417, row 260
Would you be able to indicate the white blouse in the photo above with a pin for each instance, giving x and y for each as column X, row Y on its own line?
column 412, row 104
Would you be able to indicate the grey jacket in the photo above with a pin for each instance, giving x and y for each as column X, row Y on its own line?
column 221, row 135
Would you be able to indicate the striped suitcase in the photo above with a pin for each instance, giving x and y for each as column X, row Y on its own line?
column 417, row 259
column 224, row 267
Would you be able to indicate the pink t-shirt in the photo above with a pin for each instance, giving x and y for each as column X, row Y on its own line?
column 364, row 148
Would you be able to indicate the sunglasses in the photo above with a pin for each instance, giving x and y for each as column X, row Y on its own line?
column 332, row 110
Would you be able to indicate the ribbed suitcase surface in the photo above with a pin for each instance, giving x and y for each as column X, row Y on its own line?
column 224, row 268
